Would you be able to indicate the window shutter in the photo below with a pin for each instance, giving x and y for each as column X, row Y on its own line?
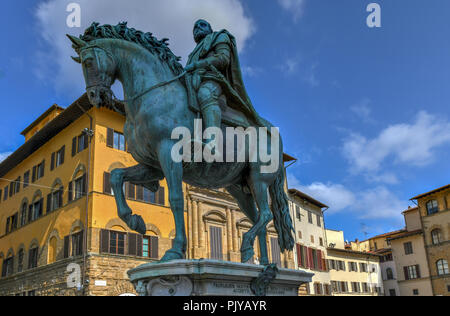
column 70, row 192
column 154, row 243
column 33, row 177
column 84, row 184
column 132, row 244
column 43, row 169
column 139, row 245
column 8, row 220
column 139, row 193
column 299, row 255
column 80, row 243
column 107, row 183
column 11, row 189
column 52, row 162
column 49, row 203
column 311, row 258
column 66, row 246
column 63, row 153
column 161, row 197
column 405, row 270
column 104, row 241
column 131, row 191
column 319, row 260
column 110, row 137
column 86, row 141
column 418, row 271
column 74, row 146
column 30, row 213
column 60, row 197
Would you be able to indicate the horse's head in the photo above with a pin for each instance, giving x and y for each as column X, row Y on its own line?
column 99, row 69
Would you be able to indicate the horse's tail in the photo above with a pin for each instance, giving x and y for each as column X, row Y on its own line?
column 280, row 209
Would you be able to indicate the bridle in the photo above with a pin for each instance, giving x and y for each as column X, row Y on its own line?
column 100, row 83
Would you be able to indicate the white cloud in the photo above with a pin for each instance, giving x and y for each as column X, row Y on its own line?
column 408, row 144
column 293, row 6
column 173, row 19
column 4, row 155
column 373, row 203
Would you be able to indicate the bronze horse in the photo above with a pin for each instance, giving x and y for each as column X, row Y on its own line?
column 151, row 117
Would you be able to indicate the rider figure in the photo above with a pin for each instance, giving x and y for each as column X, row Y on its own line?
column 215, row 74
column 208, row 91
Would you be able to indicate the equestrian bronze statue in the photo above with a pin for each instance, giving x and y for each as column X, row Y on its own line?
column 161, row 96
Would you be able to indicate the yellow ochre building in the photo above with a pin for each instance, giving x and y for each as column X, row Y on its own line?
column 59, row 229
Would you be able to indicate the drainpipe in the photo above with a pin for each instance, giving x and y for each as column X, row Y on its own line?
column 90, row 133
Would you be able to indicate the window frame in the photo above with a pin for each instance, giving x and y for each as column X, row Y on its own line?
column 434, row 208
column 442, row 267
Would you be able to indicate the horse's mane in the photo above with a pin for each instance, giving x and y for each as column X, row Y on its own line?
column 146, row 40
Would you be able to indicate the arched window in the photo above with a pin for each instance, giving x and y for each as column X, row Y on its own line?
column 436, row 236
column 78, row 186
column 432, row 207
column 55, row 198
column 36, row 208
column 389, row 274
column 442, row 267
column 52, row 244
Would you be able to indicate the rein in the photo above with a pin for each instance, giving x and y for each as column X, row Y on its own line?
column 159, row 85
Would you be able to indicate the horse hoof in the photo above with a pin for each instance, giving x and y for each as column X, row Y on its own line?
column 138, row 225
column 264, row 262
column 171, row 255
column 246, row 255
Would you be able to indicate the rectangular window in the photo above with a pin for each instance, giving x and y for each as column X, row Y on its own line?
column 412, row 272
column 297, row 213
column 216, row 247
column 5, row 193
column 392, row 292
column 363, row 267
column 319, row 222
column 117, row 243
column 40, row 169
column 26, row 179
column 276, row 253
column 310, row 219
column 150, row 245
column 415, row 292
column 408, row 248
column 60, row 156
column 82, row 142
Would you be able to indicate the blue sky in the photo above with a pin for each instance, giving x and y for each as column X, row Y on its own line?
column 364, row 110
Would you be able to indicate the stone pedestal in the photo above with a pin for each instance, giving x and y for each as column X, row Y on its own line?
column 211, row 278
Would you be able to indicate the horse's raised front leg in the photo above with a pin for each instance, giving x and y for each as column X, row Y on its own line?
column 247, row 204
column 174, row 176
column 139, row 174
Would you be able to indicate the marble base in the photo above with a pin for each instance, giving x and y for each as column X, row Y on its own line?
column 210, row 278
